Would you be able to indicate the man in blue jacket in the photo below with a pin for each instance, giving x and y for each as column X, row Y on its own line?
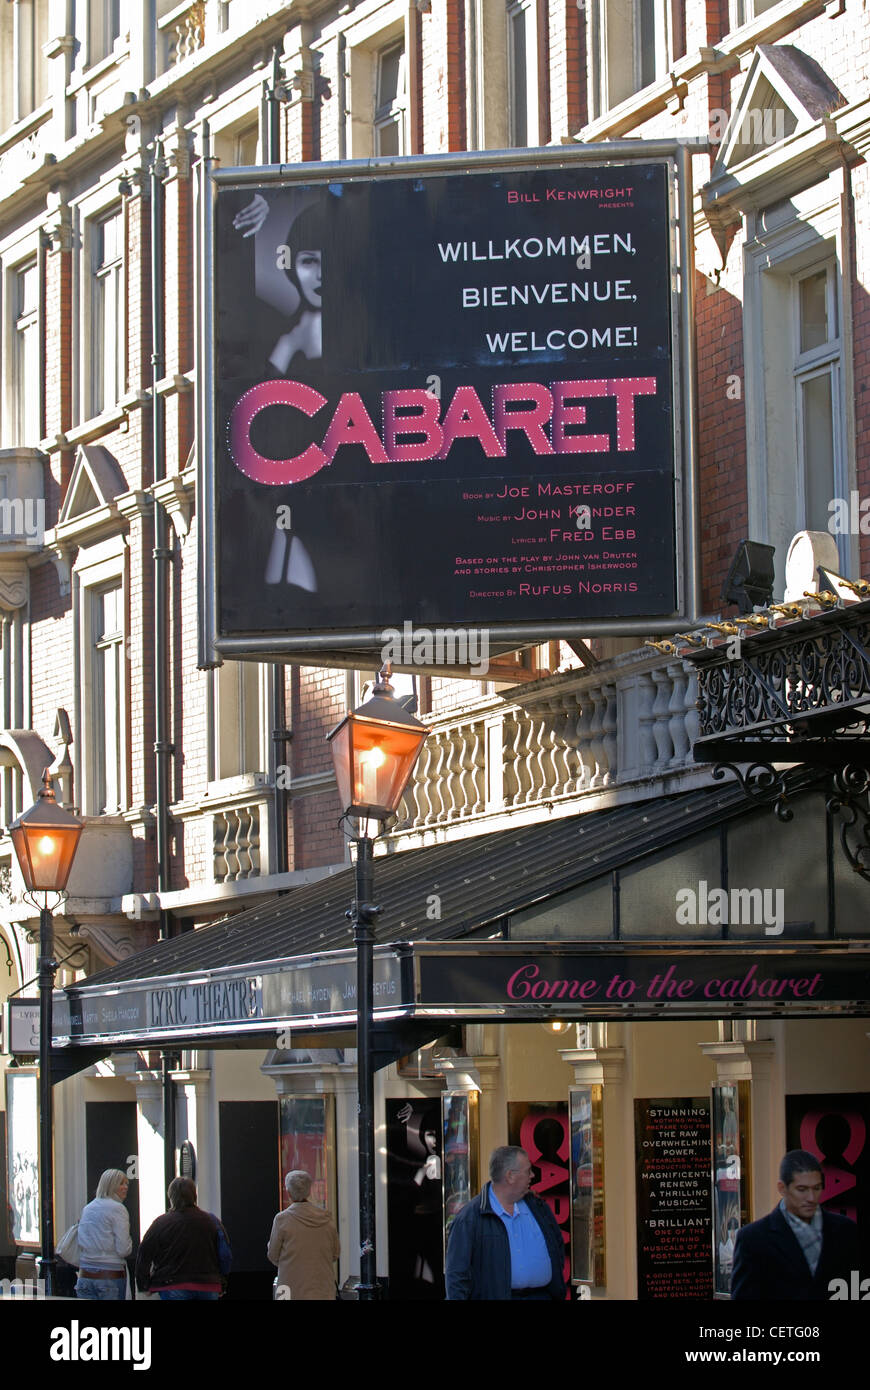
column 506, row 1244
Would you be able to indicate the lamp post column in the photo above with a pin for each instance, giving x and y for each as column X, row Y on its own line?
column 363, row 915
column 47, row 971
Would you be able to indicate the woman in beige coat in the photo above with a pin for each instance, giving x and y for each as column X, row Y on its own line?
column 303, row 1244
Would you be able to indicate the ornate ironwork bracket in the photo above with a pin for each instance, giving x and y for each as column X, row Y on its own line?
column 847, row 797
column 849, row 801
column 763, row 783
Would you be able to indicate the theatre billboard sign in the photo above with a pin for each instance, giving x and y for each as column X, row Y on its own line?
column 458, row 393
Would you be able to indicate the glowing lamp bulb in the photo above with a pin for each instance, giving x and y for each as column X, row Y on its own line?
column 46, row 845
column 375, row 757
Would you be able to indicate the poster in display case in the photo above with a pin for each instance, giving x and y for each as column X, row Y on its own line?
column 730, row 1151
column 542, row 1129
column 415, row 1223
column 835, row 1126
column 307, row 1141
column 461, row 1153
column 585, row 1111
column 22, row 1155
column 674, row 1213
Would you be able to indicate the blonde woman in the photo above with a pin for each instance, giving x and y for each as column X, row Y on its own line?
column 104, row 1240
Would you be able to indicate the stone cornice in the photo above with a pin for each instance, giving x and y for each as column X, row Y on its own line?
column 802, row 159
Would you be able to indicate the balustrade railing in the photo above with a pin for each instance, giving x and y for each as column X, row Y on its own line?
column 236, row 843
column 632, row 719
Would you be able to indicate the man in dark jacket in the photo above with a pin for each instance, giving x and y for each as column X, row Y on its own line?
column 179, row 1257
column 796, row 1251
column 506, row 1243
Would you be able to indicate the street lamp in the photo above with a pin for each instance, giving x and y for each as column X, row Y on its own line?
column 374, row 750
column 45, row 840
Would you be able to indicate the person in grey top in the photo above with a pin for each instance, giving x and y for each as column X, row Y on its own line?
column 104, row 1240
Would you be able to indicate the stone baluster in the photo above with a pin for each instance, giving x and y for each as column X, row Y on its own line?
column 584, row 735
column 243, row 826
column 473, row 759
column 692, row 715
column 536, row 738
column 661, row 733
column 514, row 771
column 220, row 836
column 568, row 739
column 677, row 708
column 596, row 742
column 608, row 729
column 453, row 774
column 437, row 804
column 646, row 697
column 254, row 840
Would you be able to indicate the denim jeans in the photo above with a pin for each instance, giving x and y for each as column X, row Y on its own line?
column 110, row 1290
column 177, row 1295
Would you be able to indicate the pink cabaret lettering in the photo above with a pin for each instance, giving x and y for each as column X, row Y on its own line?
column 412, row 431
column 254, row 465
column 524, row 984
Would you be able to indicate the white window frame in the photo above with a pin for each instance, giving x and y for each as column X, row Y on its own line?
column 746, row 11
column 822, row 361
column 28, row 75
column 366, row 38
column 523, row 126
column 99, row 568
column 21, row 378
column 615, row 51
column 240, row 693
column 107, row 302
column 88, row 214
column 393, row 113
column 105, row 27
column 776, row 258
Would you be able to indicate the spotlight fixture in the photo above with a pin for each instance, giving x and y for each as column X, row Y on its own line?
column 750, row 579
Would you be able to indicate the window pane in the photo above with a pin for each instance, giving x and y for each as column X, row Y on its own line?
column 389, row 70
column 781, row 857
column 388, row 138
column 27, row 386
column 818, row 432
column 28, row 289
column 648, row 902
column 645, row 38
column 585, row 913
column 23, row 19
column 519, row 86
column 814, row 311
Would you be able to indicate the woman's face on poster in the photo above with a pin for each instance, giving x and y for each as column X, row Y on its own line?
column 308, row 274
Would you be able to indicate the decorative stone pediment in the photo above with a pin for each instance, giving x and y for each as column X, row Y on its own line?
column 95, row 484
column 92, row 509
column 781, row 136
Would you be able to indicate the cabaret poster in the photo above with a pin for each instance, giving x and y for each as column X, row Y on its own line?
column 444, row 398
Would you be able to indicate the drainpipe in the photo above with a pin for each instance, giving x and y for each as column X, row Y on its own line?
column 273, row 95
column 163, row 557
column 342, row 95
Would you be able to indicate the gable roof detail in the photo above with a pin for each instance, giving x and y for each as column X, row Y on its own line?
column 785, row 93
column 96, row 482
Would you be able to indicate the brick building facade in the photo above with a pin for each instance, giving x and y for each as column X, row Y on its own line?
column 102, row 129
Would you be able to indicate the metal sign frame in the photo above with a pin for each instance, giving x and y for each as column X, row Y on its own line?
column 335, row 644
